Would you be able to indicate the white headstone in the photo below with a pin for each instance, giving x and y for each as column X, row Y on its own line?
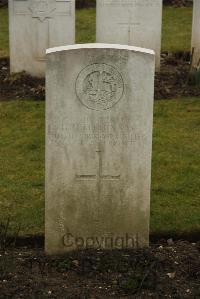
column 130, row 22
column 36, row 25
column 196, row 32
column 99, row 112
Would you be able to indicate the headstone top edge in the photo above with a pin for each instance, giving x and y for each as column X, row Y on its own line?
column 100, row 46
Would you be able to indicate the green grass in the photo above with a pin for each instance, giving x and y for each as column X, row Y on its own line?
column 177, row 28
column 22, row 164
column 176, row 166
column 4, row 39
column 175, row 169
column 176, row 35
column 86, row 25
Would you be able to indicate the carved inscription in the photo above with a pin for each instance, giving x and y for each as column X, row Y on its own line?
column 20, row 7
column 99, row 86
column 130, row 3
column 63, row 7
column 83, row 132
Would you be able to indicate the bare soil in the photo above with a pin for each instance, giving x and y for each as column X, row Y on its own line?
column 164, row 270
column 178, row 3
column 19, row 85
column 174, row 78
column 171, row 82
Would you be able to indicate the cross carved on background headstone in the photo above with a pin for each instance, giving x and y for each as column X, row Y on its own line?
column 130, row 26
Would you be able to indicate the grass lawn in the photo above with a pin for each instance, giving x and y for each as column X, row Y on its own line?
column 176, row 34
column 175, row 170
column 86, row 25
column 4, row 37
column 177, row 29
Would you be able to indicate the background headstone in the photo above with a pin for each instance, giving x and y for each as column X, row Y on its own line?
column 99, row 112
column 36, row 25
column 196, row 32
column 130, row 22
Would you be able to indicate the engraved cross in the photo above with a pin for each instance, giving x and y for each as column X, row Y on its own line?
column 130, row 26
column 99, row 177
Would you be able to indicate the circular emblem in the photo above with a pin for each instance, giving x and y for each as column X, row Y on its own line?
column 99, row 86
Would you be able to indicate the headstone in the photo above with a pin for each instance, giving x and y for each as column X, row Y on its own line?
column 99, row 111
column 36, row 25
column 130, row 22
column 196, row 32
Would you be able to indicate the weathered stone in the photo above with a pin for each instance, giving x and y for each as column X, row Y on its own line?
column 99, row 111
column 36, row 25
column 196, row 33
column 131, row 22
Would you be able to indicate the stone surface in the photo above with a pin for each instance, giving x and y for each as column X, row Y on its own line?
column 130, row 22
column 99, row 111
column 196, row 32
column 36, row 25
